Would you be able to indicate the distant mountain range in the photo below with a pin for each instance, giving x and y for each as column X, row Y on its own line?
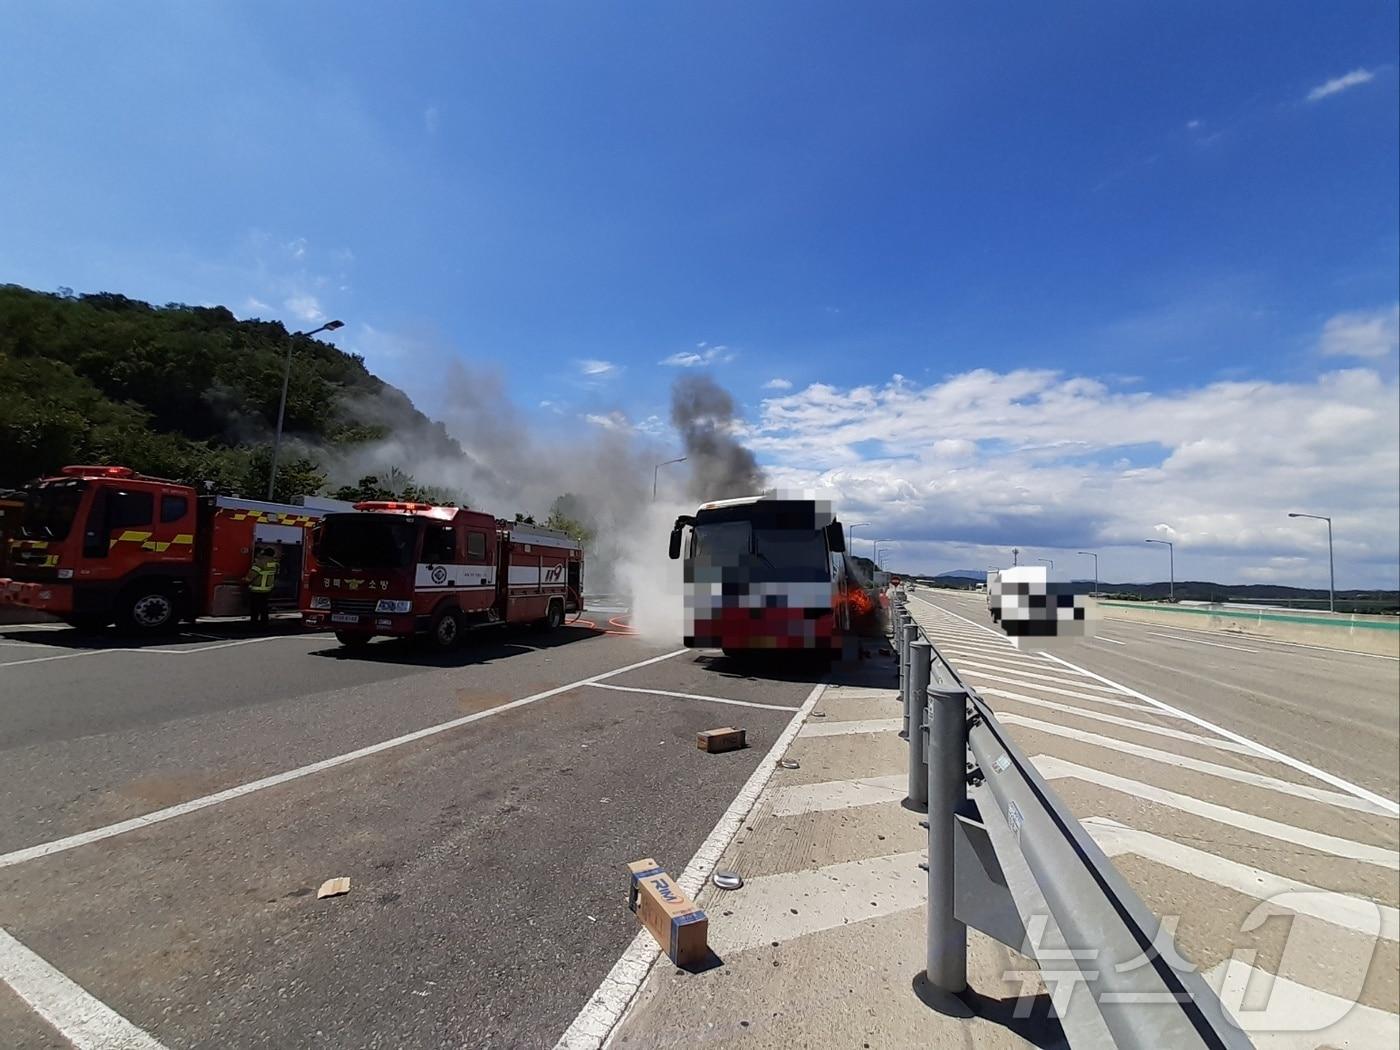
column 1206, row 591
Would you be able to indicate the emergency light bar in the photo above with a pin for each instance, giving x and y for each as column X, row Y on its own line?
column 99, row 472
column 396, row 505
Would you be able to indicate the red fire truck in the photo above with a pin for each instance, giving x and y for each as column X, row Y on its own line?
column 399, row 568
column 96, row 545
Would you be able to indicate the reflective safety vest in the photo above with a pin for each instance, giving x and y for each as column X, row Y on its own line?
column 262, row 575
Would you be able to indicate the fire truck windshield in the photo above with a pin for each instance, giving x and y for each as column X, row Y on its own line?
column 366, row 541
column 49, row 510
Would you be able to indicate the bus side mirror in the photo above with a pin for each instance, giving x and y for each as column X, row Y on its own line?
column 836, row 538
column 675, row 549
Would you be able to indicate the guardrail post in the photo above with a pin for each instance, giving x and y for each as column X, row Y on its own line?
column 920, row 659
column 908, row 634
column 947, row 794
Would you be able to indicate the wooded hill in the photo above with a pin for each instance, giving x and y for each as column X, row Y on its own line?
column 177, row 391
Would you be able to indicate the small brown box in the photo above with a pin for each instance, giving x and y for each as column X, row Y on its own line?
column 678, row 925
column 726, row 738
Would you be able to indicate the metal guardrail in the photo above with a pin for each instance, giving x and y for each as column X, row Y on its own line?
column 1031, row 877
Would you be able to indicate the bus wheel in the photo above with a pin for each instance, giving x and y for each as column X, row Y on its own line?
column 149, row 609
column 353, row 639
column 446, row 630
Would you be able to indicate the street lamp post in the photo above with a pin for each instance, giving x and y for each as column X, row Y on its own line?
column 851, row 536
column 1015, row 555
column 329, row 326
column 656, row 473
column 1331, row 570
column 1171, row 567
column 1091, row 554
column 1048, row 561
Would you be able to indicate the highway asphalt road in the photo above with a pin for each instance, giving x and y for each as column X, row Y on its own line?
column 487, row 856
column 1336, row 710
column 1246, row 790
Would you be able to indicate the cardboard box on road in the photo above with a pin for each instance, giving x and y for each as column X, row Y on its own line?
column 678, row 925
column 726, row 738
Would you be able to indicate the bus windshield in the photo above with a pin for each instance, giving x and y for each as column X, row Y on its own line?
column 781, row 549
column 49, row 511
column 366, row 541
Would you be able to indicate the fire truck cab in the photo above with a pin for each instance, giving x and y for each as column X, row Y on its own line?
column 402, row 569
column 98, row 544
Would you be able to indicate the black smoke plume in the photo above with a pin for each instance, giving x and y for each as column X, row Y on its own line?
column 720, row 467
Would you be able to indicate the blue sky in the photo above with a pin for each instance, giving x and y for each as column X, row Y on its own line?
column 1155, row 199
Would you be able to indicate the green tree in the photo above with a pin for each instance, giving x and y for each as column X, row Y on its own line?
column 296, row 476
column 566, row 515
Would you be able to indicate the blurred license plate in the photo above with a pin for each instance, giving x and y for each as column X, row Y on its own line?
column 344, row 618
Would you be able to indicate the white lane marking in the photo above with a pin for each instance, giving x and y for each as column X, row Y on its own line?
column 689, row 696
column 614, row 996
column 1042, row 677
column 1340, row 909
column 46, row 849
column 855, row 725
column 1053, row 768
column 1295, row 1016
column 838, row 794
column 1257, row 639
column 1126, row 723
column 1199, row 641
column 1389, row 805
column 1037, row 687
column 972, row 623
column 1110, row 641
column 80, row 1018
column 1213, row 769
column 158, row 652
column 1011, row 663
column 60, row 656
column 830, row 896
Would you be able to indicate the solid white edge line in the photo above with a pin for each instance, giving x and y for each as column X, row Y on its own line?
column 77, row 1016
column 689, row 696
column 46, row 849
column 609, row 1004
column 1389, row 805
column 1198, row 641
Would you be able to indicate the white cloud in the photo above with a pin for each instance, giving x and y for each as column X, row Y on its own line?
column 1193, row 124
column 296, row 248
column 590, row 366
column 983, row 461
column 703, row 354
column 1339, row 84
column 431, row 120
column 778, row 384
column 254, row 307
column 1374, row 333
column 613, row 420
column 305, row 308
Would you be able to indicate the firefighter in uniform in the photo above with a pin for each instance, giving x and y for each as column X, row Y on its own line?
column 261, row 578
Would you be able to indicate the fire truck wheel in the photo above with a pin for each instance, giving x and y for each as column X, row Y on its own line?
column 149, row 609
column 446, row 630
column 554, row 619
column 351, row 640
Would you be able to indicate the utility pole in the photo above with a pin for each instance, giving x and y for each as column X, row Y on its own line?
column 1331, row 571
column 329, row 326
column 1171, row 567
column 1015, row 555
column 1091, row 554
column 656, row 473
